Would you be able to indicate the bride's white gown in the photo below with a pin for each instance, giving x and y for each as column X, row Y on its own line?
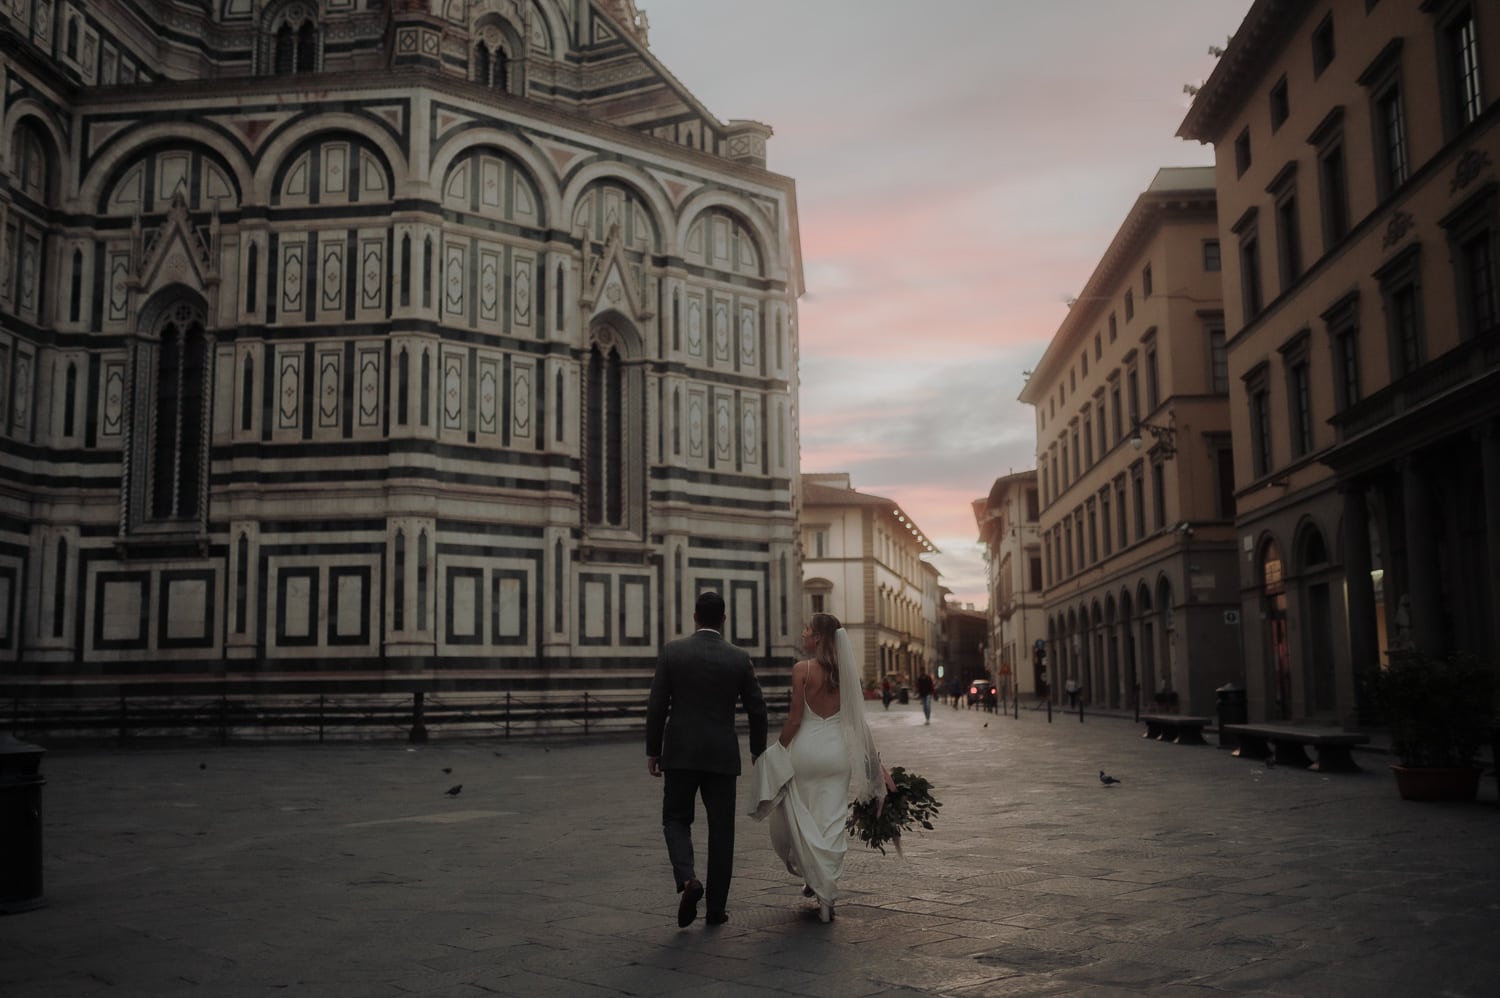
column 803, row 792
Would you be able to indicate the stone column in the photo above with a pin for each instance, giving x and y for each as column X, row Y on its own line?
column 1424, row 587
column 1489, row 451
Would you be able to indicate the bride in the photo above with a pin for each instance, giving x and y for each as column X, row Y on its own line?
column 825, row 753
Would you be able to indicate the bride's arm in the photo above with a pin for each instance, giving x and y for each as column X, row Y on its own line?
column 794, row 710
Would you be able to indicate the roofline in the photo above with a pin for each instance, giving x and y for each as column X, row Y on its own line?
column 1255, row 43
column 1142, row 222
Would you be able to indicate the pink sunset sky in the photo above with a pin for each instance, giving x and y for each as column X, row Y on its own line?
column 961, row 165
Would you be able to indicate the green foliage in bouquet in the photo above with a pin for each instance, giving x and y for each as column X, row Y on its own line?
column 910, row 806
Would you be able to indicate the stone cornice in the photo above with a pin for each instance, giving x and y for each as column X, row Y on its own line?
column 326, row 86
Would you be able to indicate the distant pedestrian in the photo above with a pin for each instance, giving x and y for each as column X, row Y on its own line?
column 925, row 690
column 886, row 693
column 1072, row 690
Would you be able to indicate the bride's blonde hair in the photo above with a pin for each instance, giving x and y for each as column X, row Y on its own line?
column 825, row 626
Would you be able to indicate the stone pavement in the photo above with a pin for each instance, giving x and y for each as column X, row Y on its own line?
column 344, row 869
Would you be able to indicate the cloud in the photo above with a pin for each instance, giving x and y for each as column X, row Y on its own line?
column 961, row 167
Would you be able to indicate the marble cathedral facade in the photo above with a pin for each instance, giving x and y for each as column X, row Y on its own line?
column 361, row 339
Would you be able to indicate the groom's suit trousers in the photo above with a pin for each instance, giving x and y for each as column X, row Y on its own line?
column 718, row 792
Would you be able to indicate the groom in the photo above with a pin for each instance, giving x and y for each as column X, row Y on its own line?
column 691, row 738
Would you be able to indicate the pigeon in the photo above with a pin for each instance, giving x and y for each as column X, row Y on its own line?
column 447, row 769
column 1106, row 780
column 986, row 724
column 454, row 790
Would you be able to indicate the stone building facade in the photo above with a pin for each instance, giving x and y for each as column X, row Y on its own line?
column 355, row 340
column 1134, row 463
column 1009, row 521
column 863, row 563
column 1358, row 162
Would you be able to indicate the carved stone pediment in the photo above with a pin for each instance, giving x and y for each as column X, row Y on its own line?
column 177, row 253
column 611, row 282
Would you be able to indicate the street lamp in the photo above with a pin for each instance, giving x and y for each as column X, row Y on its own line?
column 1163, row 436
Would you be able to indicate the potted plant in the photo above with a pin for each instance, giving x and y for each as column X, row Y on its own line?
column 1439, row 711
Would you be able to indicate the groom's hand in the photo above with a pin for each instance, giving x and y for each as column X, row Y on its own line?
column 653, row 765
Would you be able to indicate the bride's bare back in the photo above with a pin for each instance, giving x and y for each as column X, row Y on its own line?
column 822, row 698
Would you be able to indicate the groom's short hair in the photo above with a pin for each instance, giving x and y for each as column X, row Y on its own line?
column 709, row 610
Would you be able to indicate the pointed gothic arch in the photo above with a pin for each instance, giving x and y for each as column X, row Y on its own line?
column 166, row 479
column 614, row 429
column 497, row 53
column 291, row 39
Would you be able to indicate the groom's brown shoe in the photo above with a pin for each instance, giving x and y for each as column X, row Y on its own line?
column 687, row 908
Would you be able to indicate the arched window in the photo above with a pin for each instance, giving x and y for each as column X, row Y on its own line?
column 176, row 456
column 605, row 436
column 292, row 40
column 490, row 65
column 307, row 48
column 70, row 398
column 76, row 289
column 31, row 161
column 171, row 385
column 614, row 407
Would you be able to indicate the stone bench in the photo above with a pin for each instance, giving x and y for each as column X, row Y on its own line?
column 1287, row 746
column 1179, row 729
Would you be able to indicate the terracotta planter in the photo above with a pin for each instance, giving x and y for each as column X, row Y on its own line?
column 1425, row 784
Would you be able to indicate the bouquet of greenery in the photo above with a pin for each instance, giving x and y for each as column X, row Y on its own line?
column 909, row 805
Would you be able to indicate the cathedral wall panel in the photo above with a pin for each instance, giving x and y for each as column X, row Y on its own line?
column 397, row 443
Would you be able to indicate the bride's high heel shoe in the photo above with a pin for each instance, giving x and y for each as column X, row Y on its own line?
column 825, row 912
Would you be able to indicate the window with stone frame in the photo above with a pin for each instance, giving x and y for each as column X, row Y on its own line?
column 1333, row 181
column 1153, row 378
column 1258, row 397
column 1218, row 354
column 1159, row 492
column 1281, row 105
column 1251, row 288
column 614, row 412
column 1323, row 49
column 1105, row 523
column 1341, row 319
column 1138, row 497
column 292, row 42
column 1294, row 362
column 1212, row 262
column 170, row 389
column 1121, row 517
column 491, row 64
column 1401, row 293
column 1382, row 81
column 1222, row 449
column 1100, row 423
column 1471, row 231
column 1088, row 438
column 1283, row 191
column 1458, row 65
column 1093, row 518
column 1115, row 408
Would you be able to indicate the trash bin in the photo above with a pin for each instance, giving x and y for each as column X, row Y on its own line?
column 1233, row 709
column 20, row 825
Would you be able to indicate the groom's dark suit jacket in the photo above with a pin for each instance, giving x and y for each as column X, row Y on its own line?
column 690, row 719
